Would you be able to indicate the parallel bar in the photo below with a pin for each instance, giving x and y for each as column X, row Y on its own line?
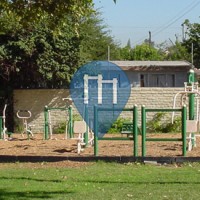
column 116, row 109
column 164, row 139
column 163, row 110
column 116, row 138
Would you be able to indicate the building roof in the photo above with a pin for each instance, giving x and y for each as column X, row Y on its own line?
column 146, row 65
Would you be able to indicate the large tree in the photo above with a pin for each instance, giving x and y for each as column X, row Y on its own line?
column 192, row 42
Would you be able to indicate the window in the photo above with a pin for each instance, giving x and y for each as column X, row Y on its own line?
column 157, row 80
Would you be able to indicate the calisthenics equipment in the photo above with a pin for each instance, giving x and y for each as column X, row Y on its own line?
column 48, row 130
column 190, row 97
column 134, row 123
column 24, row 115
column 182, row 139
column 3, row 128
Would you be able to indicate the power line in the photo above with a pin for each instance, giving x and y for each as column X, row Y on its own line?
column 182, row 13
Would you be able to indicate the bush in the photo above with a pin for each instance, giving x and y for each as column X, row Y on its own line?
column 117, row 125
column 158, row 124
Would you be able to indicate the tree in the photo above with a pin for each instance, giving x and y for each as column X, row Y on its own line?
column 33, row 10
column 95, row 39
column 33, row 56
column 193, row 39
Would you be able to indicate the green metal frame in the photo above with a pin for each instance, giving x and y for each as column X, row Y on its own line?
column 46, row 121
column 145, row 139
column 135, row 129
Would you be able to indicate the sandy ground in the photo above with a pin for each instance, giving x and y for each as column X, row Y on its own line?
column 59, row 146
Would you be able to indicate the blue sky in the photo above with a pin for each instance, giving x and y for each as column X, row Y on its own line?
column 133, row 19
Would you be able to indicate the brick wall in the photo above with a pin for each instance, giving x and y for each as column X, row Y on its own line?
column 35, row 100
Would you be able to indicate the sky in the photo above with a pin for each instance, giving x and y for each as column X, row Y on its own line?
column 134, row 19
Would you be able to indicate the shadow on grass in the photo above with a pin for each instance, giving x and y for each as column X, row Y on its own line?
column 30, row 179
column 5, row 194
column 143, row 182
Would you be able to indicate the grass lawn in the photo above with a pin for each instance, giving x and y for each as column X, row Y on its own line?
column 100, row 181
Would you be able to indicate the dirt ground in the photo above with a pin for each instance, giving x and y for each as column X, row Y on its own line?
column 58, row 146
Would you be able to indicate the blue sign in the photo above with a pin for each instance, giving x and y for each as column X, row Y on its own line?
column 103, row 84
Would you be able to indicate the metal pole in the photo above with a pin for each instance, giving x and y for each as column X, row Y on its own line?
column 95, row 130
column 135, row 123
column 46, row 123
column 87, row 123
column 184, row 116
column 70, row 122
column 143, row 121
column 191, row 80
column 1, row 127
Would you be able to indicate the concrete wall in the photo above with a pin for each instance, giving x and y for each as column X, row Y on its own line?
column 35, row 101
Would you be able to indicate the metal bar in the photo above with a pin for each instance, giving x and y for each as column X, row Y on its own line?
column 1, row 127
column 164, row 139
column 116, row 109
column 95, row 130
column 71, row 132
column 184, row 116
column 46, row 124
column 143, row 121
column 163, row 110
column 116, row 138
column 135, row 128
column 87, row 122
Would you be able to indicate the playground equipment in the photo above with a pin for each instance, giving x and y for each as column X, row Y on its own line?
column 80, row 128
column 183, row 111
column 134, row 130
column 48, row 130
column 25, row 115
column 3, row 128
column 190, row 96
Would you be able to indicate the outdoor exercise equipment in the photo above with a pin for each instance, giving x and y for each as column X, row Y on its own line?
column 183, row 111
column 27, row 128
column 190, row 96
column 134, row 124
column 80, row 128
column 3, row 128
column 48, row 130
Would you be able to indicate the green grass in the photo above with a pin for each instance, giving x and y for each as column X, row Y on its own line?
column 101, row 181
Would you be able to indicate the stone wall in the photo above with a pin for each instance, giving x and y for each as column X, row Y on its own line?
column 36, row 99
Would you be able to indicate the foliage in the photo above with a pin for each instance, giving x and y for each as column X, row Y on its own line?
column 117, row 125
column 96, row 39
column 160, row 124
column 140, row 52
column 34, row 10
column 193, row 37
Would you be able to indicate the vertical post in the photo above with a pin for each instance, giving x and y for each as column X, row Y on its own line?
column 100, row 88
column 191, row 80
column 46, row 123
column 143, row 121
column 1, row 127
column 135, row 123
column 87, row 125
column 95, row 130
column 70, row 128
column 184, row 116
column 191, row 96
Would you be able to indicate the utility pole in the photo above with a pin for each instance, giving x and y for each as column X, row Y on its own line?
column 183, row 32
column 149, row 38
column 192, row 53
column 108, row 53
